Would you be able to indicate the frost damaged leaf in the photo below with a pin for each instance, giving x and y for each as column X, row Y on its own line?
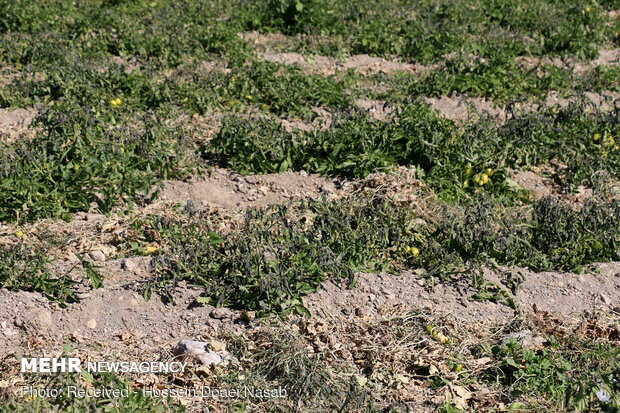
column 460, row 395
column 361, row 380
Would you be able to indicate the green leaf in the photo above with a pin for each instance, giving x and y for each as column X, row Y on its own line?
column 87, row 376
column 301, row 310
column 283, row 166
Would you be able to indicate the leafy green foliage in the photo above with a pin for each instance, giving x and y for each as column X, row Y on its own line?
column 79, row 159
column 546, row 236
column 572, row 238
column 454, row 158
column 501, row 79
column 268, row 85
column 423, row 31
column 167, row 60
column 280, row 253
column 91, row 29
column 23, row 269
column 558, row 372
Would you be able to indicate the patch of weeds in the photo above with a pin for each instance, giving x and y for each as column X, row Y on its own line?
column 281, row 253
column 502, row 80
column 267, row 86
column 165, row 34
column 355, row 145
column 247, row 84
column 455, row 161
column 573, row 238
column 578, row 376
column 293, row 354
column 79, row 159
column 24, row 269
column 546, row 236
column 422, row 31
column 90, row 273
column 490, row 291
column 286, row 360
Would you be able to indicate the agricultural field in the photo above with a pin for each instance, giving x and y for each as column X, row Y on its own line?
column 356, row 206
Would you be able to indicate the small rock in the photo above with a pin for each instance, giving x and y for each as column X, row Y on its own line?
column 526, row 339
column 6, row 331
column 209, row 358
column 419, row 221
column 197, row 350
column 217, row 345
column 362, row 312
column 35, row 321
column 97, row 255
column 71, row 257
column 129, row 265
column 133, row 305
column 606, row 300
column 92, row 324
column 190, row 347
column 221, row 313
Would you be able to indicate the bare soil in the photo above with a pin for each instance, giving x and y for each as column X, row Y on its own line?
column 563, row 293
column 14, row 123
column 466, row 109
column 118, row 317
column 230, row 190
column 462, row 108
column 363, row 64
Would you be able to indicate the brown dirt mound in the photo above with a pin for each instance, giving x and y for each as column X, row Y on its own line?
column 267, row 39
column 364, row 64
column 377, row 109
column 116, row 316
column 230, row 190
column 463, row 108
column 14, row 123
column 563, row 293
column 607, row 57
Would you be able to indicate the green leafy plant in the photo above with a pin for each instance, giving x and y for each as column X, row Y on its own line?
column 23, row 269
column 557, row 373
